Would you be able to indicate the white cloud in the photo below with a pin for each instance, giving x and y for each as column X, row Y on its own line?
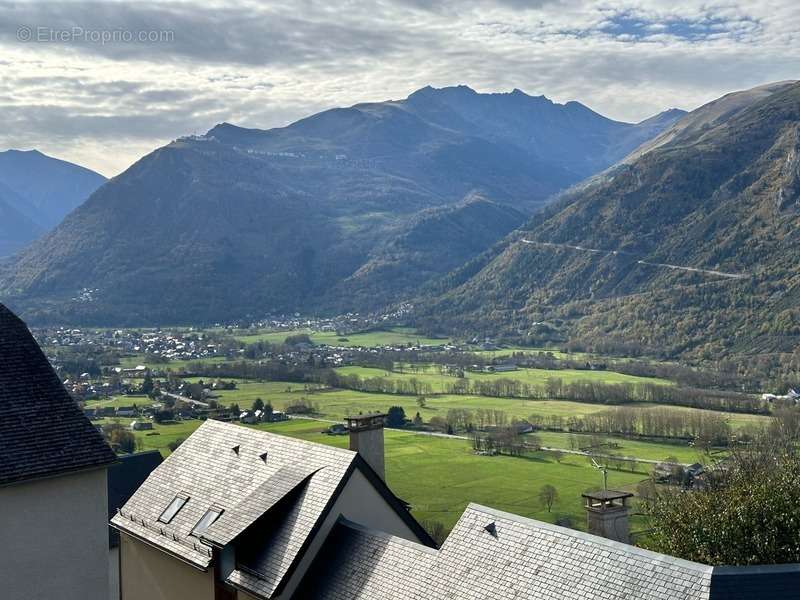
column 105, row 104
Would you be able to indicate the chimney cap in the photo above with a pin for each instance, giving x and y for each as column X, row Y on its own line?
column 607, row 495
column 356, row 423
column 365, row 416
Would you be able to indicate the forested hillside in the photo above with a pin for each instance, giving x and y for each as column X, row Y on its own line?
column 328, row 214
column 690, row 249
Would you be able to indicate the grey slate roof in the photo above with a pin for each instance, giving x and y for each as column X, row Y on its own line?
column 124, row 478
column 42, row 430
column 206, row 468
column 523, row 559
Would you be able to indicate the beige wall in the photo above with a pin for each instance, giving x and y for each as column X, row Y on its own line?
column 361, row 503
column 54, row 538
column 147, row 573
column 113, row 573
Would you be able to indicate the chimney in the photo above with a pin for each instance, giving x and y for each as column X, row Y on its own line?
column 607, row 514
column 366, row 438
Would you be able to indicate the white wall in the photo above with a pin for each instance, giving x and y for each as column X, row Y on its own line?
column 361, row 503
column 54, row 538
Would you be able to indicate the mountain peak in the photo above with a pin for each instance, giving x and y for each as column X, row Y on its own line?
column 454, row 90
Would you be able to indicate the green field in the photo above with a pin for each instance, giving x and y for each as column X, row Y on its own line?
column 627, row 448
column 439, row 477
column 537, row 377
column 337, row 404
column 385, row 337
column 132, row 361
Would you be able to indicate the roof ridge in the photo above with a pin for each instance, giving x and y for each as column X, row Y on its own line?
column 274, row 436
column 586, row 537
column 345, row 522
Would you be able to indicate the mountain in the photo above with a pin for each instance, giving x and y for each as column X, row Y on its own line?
column 41, row 189
column 307, row 217
column 689, row 249
column 432, row 243
column 16, row 229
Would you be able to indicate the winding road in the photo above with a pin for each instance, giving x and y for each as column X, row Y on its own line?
column 641, row 262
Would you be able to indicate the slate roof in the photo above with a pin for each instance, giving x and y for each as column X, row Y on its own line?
column 124, row 478
column 767, row 582
column 246, row 486
column 42, row 430
column 522, row 559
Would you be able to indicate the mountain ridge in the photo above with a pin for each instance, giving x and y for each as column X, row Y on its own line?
column 631, row 258
column 43, row 190
column 244, row 222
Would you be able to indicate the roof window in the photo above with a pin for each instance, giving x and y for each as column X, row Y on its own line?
column 212, row 514
column 173, row 508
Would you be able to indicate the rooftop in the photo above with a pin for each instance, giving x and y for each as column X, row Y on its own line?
column 496, row 555
column 242, row 474
column 42, row 430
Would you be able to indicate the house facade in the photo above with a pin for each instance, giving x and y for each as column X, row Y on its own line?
column 53, row 500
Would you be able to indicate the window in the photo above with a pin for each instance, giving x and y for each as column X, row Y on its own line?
column 212, row 514
column 173, row 508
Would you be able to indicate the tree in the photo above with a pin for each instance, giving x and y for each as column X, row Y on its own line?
column 298, row 338
column 396, row 417
column 418, row 420
column 147, row 385
column 268, row 410
column 436, row 530
column 258, row 404
column 173, row 445
column 745, row 514
column 421, row 402
column 161, row 416
column 548, row 495
column 120, row 438
column 558, row 456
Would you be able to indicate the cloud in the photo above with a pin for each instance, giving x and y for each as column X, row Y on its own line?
column 104, row 103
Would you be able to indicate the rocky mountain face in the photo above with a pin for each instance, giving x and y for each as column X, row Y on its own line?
column 40, row 191
column 343, row 209
column 689, row 247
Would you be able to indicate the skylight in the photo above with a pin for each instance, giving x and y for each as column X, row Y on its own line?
column 173, row 508
column 212, row 514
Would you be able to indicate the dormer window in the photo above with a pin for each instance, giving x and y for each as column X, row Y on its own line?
column 212, row 514
column 173, row 508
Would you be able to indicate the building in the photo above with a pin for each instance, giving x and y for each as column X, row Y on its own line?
column 494, row 555
column 124, row 478
column 241, row 514
column 53, row 503
column 238, row 513
column 141, row 426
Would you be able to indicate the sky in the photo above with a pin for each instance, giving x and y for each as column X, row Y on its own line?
column 104, row 83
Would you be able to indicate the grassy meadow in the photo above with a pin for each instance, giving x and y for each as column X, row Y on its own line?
column 537, row 377
column 440, row 476
column 384, row 337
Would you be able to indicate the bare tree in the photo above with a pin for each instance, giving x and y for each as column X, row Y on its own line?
column 547, row 496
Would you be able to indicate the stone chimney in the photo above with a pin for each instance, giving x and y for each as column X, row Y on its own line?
column 607, row 514
column 366, row 438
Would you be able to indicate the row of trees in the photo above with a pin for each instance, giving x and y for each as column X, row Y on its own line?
column 707, row 428
column 555, row 388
